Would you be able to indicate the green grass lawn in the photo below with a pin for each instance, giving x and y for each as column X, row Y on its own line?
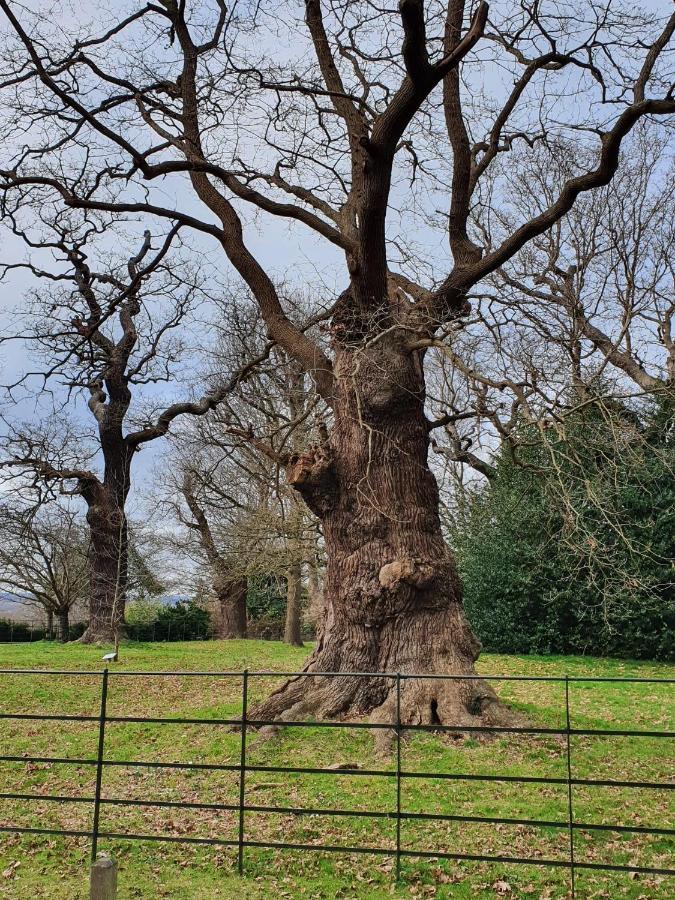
column 56, row 867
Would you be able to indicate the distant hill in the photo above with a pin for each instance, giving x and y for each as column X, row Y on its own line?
column 12, row 608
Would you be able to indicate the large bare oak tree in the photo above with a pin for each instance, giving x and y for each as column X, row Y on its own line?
column 105, row 327
column 368, row 125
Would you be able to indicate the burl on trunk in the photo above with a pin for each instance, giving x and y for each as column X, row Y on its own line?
column 393, row 596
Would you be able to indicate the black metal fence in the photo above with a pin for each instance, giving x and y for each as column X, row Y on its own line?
column 398, row 814
column 12, row 632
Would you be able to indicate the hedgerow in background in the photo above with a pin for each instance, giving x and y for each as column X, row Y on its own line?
column 182, row 621
column 569, row 548
column 266, row 606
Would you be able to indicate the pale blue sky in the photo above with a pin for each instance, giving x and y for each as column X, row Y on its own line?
column 289, row 251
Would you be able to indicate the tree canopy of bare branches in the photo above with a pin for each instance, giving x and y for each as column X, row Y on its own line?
column 375, row 129
column 43, row 561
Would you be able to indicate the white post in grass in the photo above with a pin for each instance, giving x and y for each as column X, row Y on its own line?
column 103, row 882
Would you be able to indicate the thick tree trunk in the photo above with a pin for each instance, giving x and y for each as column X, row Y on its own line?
column 108, row 561
column 231, row 596
column 315, row 606
column 292, row 627
column 50, row 625
column 64, row 626
column 393, row 597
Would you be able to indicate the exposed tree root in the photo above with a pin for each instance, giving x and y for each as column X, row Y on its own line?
column 101, row 635
column 457, row 702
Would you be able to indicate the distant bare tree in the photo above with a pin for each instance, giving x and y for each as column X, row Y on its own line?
column 246, row 520
column 44, row 561
column 107, row 331
column 585, row 313
column 229, row 585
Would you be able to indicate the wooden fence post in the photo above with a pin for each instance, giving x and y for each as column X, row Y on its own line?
column 103, row 880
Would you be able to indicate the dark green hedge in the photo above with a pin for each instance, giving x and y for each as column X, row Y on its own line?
column 21, row 632
column 580, row 559
column 184, row 621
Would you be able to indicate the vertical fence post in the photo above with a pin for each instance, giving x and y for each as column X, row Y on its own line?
column 570, row 811
column 99, row 766
column 398, row 776
column 103, row 879
column 242, row 770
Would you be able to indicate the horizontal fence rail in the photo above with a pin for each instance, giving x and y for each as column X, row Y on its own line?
column 399, row 774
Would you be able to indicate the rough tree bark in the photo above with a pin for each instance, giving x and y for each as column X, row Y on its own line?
column 292, row 631
column 315, row 604
column 295, row 520
column 393, row 597
column 108, row 560
column 64, row 626
column 231, row 597
column 106, row 517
